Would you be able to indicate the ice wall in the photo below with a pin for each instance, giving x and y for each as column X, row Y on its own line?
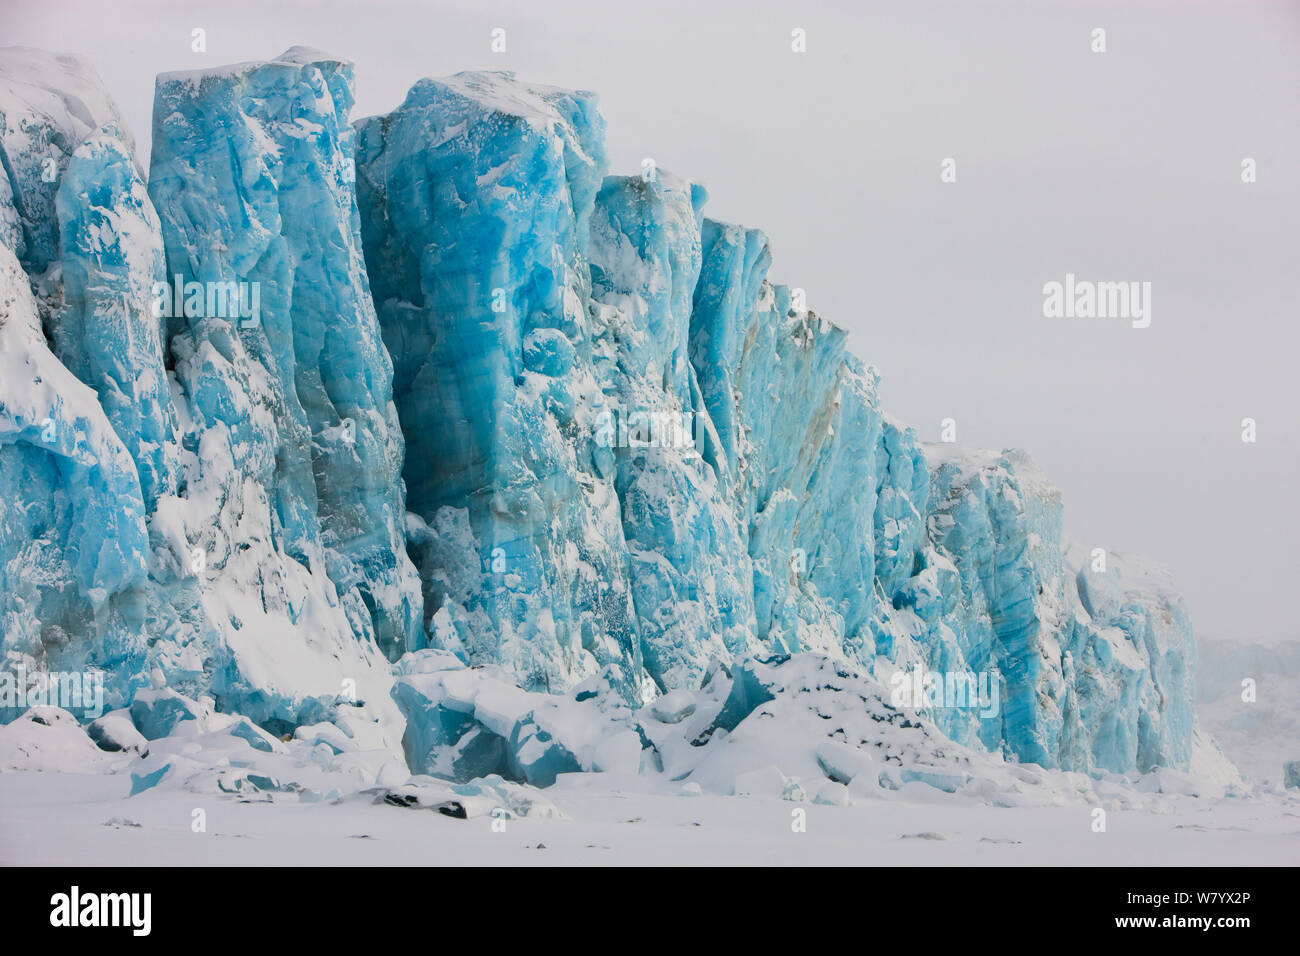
column 790, row 514
column 253, row 548
column 476, row 196
column 323, row 395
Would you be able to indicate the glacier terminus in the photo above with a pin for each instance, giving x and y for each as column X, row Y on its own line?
column 422, row 455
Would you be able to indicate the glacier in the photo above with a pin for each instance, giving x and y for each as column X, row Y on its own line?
column 475, row 198
column 494, row 467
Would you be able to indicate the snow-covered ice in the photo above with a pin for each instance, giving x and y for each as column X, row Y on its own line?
column 514, row 492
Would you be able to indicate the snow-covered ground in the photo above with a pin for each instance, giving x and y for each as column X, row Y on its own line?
column 88, row 820
column 821, row 772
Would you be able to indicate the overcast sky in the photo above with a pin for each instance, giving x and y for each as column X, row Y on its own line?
column 1115, row 166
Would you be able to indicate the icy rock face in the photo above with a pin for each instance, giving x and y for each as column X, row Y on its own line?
column 49, row 104
column 475, row 196
column 106, row 334
column 692, row 583
column 73, row 540
column 251, row 175
column 223, row 512
column 868, row 546
column 80, row 469
column 797, row 426
column 1093, row 662
column 636, row 467
column 765, row 502
column 988, row 597
column 1133, row 606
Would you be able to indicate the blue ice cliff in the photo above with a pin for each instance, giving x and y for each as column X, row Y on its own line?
column 224, row 515
column 321, row 417
column 476, row 199
column 298, row 387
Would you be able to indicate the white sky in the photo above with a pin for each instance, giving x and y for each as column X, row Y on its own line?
column 1115, row 166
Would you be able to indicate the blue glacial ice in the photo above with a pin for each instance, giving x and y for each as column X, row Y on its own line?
column 692, row 584
column 302, row 388
column 73, row 537
column 517, row 468
column 106, row 334
column 51, row 103
column 252, row 549
column 476, row 196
